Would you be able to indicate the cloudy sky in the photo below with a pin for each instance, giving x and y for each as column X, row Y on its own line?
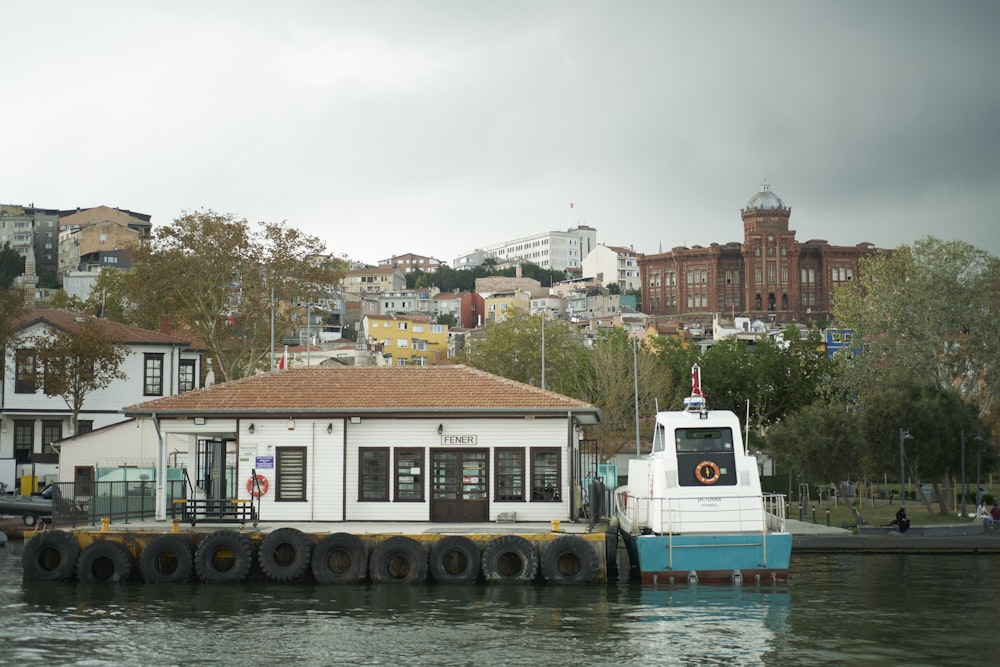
column 436, row 127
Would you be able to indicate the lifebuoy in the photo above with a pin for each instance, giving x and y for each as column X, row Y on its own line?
column 258, row 489
column 509, row 559
column 340, row 558
column 224, row 556
column 455, row 559
column 105, row 560
column 707, row 472
column 284, row 554
column 167, row 559
column 399, row 560
column 569, row 559
column 51, row 556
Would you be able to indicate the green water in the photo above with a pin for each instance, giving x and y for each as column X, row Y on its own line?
column 839, row 609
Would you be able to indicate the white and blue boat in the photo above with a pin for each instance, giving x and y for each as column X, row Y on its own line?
column 693, row 510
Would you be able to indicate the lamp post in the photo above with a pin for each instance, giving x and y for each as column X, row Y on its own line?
column 965, row 487
column 903, row 435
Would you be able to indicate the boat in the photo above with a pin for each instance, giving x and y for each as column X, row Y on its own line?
column 31, row 509
column 693, row 510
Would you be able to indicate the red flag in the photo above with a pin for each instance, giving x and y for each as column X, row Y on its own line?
column 696, row 381
column 284, row 360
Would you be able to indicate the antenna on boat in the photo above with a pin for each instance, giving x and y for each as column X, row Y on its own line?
column 746, row 430
column 696, row 402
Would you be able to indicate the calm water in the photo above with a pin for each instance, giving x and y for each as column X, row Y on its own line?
column 845, row 609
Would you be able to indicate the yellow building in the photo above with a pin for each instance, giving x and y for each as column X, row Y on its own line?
column 406, row 341
column 499, row 305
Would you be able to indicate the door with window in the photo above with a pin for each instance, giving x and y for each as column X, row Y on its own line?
column 459, row 489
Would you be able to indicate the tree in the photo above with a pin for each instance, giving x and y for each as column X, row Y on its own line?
column 75, row 363
column 215, row 275
column 11, row 266
column 11, row 305
column 929, row 310
column 448, row 319
column 821, row 441
column 513, row 349
column 607, row 378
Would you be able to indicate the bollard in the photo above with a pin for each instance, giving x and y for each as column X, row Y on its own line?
column 828, row 516
column 105, row 524
column 555, row 525
column 176, row 527
column 814, row 514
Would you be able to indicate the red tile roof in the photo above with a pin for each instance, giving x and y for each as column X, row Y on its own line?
column 360, row 389
column 70, row 321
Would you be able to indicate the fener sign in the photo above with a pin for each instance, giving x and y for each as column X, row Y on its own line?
column 458, row 440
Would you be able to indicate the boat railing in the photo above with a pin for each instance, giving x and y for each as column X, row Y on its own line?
column 727, row 514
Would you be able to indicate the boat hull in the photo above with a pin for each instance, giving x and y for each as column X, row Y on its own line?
column 722, row 558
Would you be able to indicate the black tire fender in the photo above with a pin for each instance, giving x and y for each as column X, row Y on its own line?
column 284, row 554
column 455, row 559
column 400, row 560
column 105, row 560
column 51, row 556
column 340, row 558
column 224, row 556
column 569, row 559
column 167, row 559
column 509, row 559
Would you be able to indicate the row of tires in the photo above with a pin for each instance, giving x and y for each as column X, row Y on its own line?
column 288, row 554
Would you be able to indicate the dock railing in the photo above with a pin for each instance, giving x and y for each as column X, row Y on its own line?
column 726, row 514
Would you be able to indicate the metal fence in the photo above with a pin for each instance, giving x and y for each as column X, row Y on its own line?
column 81, row 504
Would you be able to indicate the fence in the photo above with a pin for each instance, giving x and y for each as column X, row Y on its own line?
column 81, row 504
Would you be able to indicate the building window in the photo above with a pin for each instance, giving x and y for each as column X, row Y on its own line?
column 24, row 440
column 185, row 375
column 509, row 468
column 25, row 377
column 84, row 426
column 374, row 474
column 152, row 383
column 290, row 474
column 409, row 475
column 545, row 475
column 51, row 432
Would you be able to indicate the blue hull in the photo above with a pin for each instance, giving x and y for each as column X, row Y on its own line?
column 710, row 558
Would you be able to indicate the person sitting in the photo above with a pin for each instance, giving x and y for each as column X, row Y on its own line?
column 995, row 515
column 901, row 521
column 983, row 515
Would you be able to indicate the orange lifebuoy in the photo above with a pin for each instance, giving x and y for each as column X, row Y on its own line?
column 259, row 489
column 707, row 472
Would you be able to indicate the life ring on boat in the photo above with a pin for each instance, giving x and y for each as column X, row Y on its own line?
column 224, row 556
column 398, row 560
column 51, row 556
column 455, row 559
column 707, row 472
column 284, row 554
column 105, row 560
column 569, row 559
column 258, row 489
column 509, row 559
column 167, row 559
column 340, row 558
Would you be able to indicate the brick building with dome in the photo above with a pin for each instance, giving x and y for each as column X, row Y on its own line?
column 769, row 275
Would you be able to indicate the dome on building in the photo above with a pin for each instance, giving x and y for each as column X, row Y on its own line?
column 765, row 199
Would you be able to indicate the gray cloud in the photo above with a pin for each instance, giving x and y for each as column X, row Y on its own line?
column 436, row 127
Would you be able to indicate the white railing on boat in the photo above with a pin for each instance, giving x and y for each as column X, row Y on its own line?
column 728, row 514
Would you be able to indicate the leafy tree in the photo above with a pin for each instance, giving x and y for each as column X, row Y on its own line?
column 11, row 266
column 513, row 349
column 607, row 378
column 821, row 441
column 934, row 415
column 929, row 310
column 614, row 288
column 216, row 275
column 448, row 319
column 78, row 362
column 11, row 305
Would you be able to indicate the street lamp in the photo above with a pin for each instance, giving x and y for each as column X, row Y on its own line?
column 965, row 488
column 903, row 435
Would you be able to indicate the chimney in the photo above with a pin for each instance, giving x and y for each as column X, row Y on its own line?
column 164, row 324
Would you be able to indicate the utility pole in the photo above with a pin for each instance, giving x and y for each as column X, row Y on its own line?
column 903, row 435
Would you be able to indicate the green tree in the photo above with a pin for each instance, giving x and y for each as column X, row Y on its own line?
column 929, row 310
column 447, row 318
column 11, row 266
column 216, row 275
column 821, row 441
column 615, row 374
column 513, row 349
column 74, row 363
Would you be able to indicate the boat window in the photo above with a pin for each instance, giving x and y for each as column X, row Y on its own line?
column 704, row 440
column 659, row 438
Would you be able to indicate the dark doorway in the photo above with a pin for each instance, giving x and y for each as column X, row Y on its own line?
column 459, row 486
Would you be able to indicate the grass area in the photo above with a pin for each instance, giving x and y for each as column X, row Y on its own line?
column 878, row 515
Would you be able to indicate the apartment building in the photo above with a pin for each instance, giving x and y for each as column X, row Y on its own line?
column 405, row 340
column 558, row 251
